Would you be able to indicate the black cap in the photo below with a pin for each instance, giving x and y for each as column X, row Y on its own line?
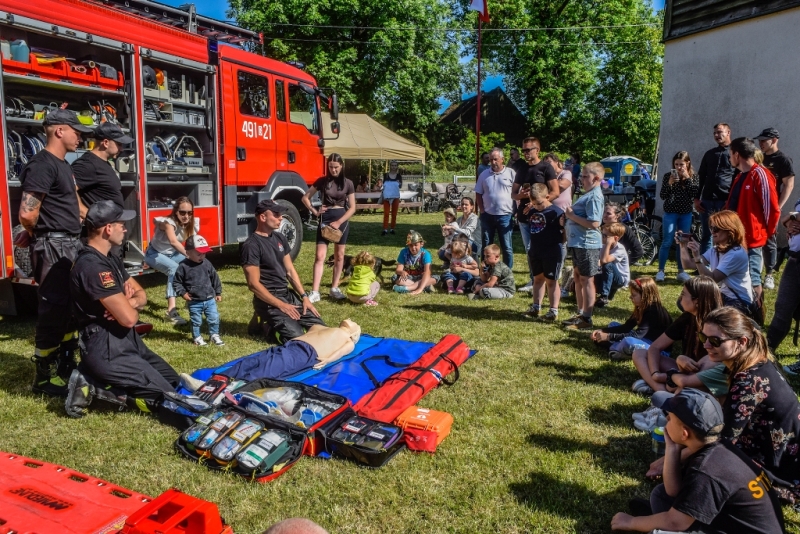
column 768, row 133
column 109, row 130
column 270, row 205
column 106, row 212
column 65, row 116
column 696, row 409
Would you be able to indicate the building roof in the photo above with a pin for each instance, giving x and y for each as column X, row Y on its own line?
column 685, row 17
column 498, row 115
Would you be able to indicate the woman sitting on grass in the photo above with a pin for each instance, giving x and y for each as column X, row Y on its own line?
column 648, row 321
column 363, row 286
column 761, row 411
column 699, row 297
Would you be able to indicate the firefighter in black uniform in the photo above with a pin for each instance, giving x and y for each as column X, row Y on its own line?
column 51, row 213
column 107, row 303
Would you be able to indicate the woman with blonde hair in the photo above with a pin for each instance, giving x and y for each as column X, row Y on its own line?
column 761, row 411
column 726, row 262
column 165, row 250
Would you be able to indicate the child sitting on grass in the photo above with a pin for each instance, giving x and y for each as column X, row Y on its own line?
column 449, row 231
column 648, row 321
column 463, row 268
column 199, row 285
column 546, row 223
column 413, row 271
column 363, row 286
column 616, row 271
column 497, row 279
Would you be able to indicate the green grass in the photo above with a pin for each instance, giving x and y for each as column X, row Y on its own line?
column 542, row 440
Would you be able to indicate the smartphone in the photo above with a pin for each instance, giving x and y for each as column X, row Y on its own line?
column 684, row 238
column 673, row 173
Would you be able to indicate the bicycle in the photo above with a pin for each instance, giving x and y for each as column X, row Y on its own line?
column 637, row 218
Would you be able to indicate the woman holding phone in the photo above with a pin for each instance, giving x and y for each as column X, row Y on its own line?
column 678, row 190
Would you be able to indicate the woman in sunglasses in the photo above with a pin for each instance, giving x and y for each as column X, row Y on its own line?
column 726, row 262
column 698, row 298
column 762, row 413
column 165, row 250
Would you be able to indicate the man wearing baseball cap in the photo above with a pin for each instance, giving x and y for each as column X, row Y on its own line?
column 107, row 305
column 781, row 168
column 94, row 175
column 268, row 267
column 709, row 485
column 51, row 213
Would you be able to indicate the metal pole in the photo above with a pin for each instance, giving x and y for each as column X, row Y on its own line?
column 478, row 105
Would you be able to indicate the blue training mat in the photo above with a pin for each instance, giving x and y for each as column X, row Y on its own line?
column 348, row 377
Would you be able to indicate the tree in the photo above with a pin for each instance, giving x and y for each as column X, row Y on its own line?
column 589, row 79
column 391, row 59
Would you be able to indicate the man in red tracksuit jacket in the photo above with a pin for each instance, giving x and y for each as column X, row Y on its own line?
column 754, row 198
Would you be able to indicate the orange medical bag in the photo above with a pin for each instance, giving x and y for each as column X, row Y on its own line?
column 425, row 419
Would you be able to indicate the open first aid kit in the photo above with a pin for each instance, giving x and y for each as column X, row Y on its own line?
column 260, row 429
column 366, row 441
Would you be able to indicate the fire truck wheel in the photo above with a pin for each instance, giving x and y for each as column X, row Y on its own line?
column 292, row 227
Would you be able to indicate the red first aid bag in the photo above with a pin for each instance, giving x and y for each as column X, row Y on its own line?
column 405, row 388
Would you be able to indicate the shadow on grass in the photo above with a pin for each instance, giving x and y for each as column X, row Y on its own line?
column 476, row 311
column 607, row 374
column 589, row 509
column 616, row 414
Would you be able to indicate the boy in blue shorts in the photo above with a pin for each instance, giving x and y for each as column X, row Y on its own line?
column 546, row 223
column 413, row 272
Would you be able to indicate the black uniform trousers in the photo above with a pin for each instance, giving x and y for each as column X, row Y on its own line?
column 52, row 259
column 126, row 363
column 285, row 327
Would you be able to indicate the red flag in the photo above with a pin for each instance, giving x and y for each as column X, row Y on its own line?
column 481, row 8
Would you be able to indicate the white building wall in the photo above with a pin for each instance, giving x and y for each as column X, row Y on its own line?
column 746, row 74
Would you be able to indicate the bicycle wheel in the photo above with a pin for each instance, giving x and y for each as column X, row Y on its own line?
column 648, row 245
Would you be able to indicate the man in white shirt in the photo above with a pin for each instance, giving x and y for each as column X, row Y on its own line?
column 495, row 205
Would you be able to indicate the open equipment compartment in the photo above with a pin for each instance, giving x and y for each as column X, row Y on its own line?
column 88, row 76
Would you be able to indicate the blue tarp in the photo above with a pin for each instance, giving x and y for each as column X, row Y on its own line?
column 347, row 376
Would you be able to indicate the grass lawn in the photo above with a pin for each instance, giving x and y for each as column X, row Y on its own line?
column 542, row 440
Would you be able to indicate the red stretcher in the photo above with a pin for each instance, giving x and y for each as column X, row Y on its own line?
column 43, row 498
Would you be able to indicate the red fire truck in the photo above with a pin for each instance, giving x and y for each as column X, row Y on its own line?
column 211, row 120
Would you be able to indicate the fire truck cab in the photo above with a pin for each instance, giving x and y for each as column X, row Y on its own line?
column 211, row 121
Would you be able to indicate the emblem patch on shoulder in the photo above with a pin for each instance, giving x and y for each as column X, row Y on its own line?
column 280, row 246
column 107, row 279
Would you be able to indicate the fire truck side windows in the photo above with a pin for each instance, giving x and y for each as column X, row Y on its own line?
column 253, row 95
column 280, row 101
column 303, row 108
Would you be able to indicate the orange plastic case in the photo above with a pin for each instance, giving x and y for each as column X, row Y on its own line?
column 425, row 419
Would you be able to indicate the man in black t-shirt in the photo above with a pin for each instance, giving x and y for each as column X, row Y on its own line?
column 715, row 175
column 51, row 213
column 717, row 489
column 267, row 268
column 535, row 171
column 95, row 178
column 107, row 304
column 781, row 168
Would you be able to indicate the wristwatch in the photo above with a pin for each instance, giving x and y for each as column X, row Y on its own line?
column 304, row 295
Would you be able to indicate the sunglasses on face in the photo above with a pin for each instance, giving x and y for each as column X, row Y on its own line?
column 184, row 212
column 526, row 150
column 714, row 341
column 714, row 229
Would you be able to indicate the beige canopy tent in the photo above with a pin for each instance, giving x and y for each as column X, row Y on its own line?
column 361, row 137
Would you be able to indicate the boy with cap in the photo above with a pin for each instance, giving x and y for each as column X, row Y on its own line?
column 413, row 272
column 94, row 176
column 51, row 213
column 717, row 489
column 198, row 283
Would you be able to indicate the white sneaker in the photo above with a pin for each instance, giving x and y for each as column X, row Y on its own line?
column 200, row 342
column 683, row 277
column 337, row 294
column 769, row 282
column 660, row 276
column 216, row 340
column 526, row 288
column 645, row 414
column 649, row 422
column 313, row 296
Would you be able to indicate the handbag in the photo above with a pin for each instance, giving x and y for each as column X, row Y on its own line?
column 753, row 309
column 334, row 235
